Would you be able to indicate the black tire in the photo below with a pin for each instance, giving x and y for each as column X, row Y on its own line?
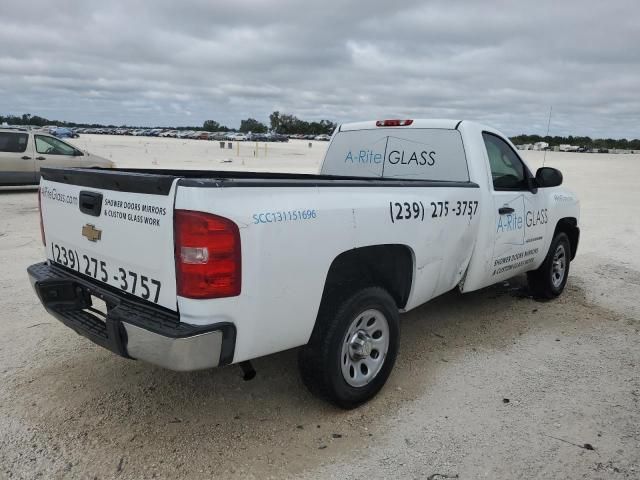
column 321, row 361
column 545, row 282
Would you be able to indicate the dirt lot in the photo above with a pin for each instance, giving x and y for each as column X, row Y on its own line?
column 488, row 385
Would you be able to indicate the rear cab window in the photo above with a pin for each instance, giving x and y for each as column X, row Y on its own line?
column 13, row 142
column 407, row 153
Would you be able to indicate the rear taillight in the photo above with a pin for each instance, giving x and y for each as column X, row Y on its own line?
column 207, row 253
column 393, row 123
column 41, row 222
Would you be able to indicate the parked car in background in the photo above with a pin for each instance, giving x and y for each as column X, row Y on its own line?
column 22, row 154
column 258, row 137
column 201, row 136
column 218, row 136
column 237, row 137
column 323, row 138
column 62, row 132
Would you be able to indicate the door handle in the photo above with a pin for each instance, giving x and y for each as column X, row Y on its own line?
column 505, row 210
column 26, row 157
column 40, row 158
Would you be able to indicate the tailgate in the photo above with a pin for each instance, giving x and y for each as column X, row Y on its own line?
column 114, row 227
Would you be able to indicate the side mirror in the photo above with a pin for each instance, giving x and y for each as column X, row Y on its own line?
column 548, row 177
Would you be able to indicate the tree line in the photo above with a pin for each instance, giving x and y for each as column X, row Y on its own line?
column 290, row 124
column 587, row 142
column 278, row 123
column 27, row 119
column 285, row 124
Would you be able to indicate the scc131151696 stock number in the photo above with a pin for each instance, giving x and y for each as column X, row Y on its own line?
column 131, row 282
column 416, row 210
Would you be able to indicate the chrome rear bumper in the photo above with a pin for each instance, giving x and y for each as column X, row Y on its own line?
column 130, row 327
column 183, row 354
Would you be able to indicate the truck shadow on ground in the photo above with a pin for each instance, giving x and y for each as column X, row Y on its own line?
column 90, row 396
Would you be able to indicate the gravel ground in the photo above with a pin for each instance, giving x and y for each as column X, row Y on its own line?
column 490, row 384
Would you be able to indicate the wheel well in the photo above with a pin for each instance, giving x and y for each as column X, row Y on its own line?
column 569, row 225
column 387, row 266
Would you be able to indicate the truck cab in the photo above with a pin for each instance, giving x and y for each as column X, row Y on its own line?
column 511, row 224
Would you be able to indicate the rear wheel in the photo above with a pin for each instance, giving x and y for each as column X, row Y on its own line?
column 353, row 348
column 549, row 280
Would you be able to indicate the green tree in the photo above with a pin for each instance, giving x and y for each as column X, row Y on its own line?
column 274, row 119
column 252, row 125
column 211, row 126
column 290, row 124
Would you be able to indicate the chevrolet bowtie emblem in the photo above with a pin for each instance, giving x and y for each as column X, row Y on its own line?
column 91, row 232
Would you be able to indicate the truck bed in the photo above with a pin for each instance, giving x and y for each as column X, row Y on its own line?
column 159, row 181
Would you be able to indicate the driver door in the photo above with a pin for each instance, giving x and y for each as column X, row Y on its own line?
column 52, row 152
column 520, row 214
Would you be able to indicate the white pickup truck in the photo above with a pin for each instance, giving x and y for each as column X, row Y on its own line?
column 195, row 269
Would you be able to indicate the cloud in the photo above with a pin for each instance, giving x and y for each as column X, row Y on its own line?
column 174, row 63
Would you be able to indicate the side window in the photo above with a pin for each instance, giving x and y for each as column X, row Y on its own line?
column 13, row 142
column 53, row 146
column 507, row 170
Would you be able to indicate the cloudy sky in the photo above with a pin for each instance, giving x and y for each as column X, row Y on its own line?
column 180, row 63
